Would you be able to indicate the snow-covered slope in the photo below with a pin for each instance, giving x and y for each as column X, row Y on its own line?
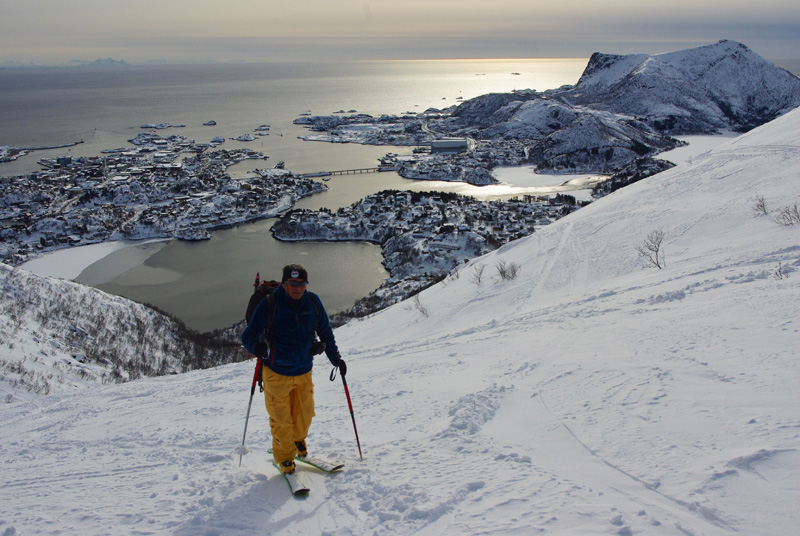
column 58, row 337
column 589, row 395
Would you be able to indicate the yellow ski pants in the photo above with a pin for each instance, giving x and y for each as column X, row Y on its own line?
column 290, row 405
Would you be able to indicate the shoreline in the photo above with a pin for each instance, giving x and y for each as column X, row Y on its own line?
column 106, row 262
column 71, row 262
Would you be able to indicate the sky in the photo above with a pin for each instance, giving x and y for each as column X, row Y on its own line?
column 55, row 31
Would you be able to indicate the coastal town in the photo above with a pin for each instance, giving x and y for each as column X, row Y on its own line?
column 161, row 187
column 168, row 186
column 436, row 156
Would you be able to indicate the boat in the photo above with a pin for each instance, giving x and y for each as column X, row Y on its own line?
column 159, row 126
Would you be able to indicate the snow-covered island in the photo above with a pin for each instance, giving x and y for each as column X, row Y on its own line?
column 138, row 192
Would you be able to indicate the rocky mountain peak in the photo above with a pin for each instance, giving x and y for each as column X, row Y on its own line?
column 723, row 86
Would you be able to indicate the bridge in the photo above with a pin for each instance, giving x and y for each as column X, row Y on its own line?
column 348, row 171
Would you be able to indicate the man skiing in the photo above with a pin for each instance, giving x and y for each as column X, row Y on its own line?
column 282, row 333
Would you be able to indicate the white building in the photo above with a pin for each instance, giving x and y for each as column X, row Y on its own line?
column 449, row 145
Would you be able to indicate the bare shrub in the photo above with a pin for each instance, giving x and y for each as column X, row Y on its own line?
column 781, row 272
column 477, row 274
column 454, row 275
column 760, row 206
column 507, row 270
column 651, row 249
column 789, row 215
column 420, row 307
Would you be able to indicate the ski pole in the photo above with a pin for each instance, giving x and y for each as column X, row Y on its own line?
column 352, row 415
column 249, row 404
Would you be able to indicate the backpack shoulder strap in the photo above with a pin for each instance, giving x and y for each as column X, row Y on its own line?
column 272, row 310
column 316, row 314
column 312, row 298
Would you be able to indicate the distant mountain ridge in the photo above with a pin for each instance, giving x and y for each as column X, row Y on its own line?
column 100, row 62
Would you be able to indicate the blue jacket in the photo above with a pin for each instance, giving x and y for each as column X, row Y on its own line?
column 292, row 332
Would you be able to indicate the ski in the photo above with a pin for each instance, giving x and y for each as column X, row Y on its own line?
column 294, row 483
column 322, row 465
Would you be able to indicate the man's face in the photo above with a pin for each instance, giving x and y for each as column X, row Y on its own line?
column 294, row 288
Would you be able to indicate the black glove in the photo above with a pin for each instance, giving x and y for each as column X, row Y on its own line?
column 317, row 347
column 341, row 366
column 260, row 349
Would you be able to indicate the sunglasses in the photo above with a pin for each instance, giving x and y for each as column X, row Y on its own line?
column 298, row 283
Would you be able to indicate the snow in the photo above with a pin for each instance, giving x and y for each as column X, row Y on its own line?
column 589, row 395
column 697, row 145
column 70, row 263
column 524, row 180
column 526, row 177
column 704, row 89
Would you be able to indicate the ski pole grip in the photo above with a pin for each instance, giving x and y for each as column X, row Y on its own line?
column 255, row 376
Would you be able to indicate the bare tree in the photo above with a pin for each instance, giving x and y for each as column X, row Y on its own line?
column 651, row 249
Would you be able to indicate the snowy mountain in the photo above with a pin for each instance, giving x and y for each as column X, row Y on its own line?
column 586, row 392
column 627, row 107
column 558, row 133
column 724, row 86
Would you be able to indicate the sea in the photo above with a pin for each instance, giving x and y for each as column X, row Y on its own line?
column 206, row 284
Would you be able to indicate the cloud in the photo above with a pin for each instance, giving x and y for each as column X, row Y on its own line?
column 54, row 30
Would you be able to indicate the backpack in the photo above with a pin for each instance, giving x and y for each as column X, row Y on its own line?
column 262, row 290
